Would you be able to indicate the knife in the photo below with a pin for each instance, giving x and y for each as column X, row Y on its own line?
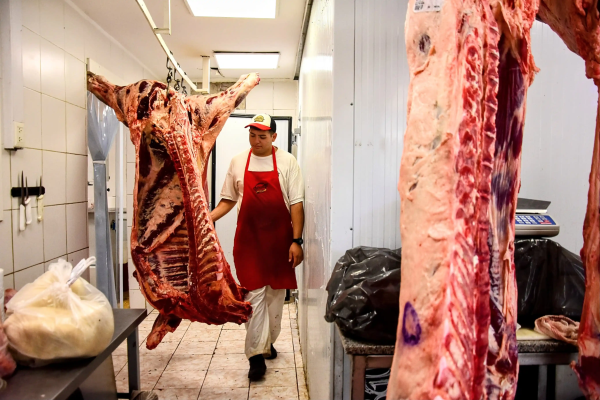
column 27, row 204
column 22, row 207
column 40, row 203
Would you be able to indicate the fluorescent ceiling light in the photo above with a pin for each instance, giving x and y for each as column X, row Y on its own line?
column 233, row 8
column 247, row 60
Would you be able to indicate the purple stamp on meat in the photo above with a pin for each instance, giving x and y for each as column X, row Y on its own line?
column 411, row 329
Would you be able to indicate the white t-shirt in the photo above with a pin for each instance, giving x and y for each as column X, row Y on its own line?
column 290, row 176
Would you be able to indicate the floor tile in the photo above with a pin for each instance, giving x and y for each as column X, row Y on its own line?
column 283, row 360
column 201, row 326
column 228, row 361
column 223, row 394
column 163, row 348
column 181, row 379
column 189, row 362
column 230, row 347
column 232, row 326
column 230, row 378
column 147, row 380
column 196, row 348
column 298, row 359
column 303, row 393
column 202, row 336
column 273, row 393
column 153, row 363
column 121, row 350
column 283, row 346
column 175, row 336
column 118, row 363
column 233, row 335
column 177, row 394
column 284, row 377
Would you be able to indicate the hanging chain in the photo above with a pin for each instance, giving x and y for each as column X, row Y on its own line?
column 183, row 89
column 169, row 75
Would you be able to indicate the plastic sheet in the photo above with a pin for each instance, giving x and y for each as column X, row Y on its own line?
column 102, row 128
column 550, row 280
column 48, row 320
column 363, row 294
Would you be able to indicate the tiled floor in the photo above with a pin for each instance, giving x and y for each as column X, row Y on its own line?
column 205, row 362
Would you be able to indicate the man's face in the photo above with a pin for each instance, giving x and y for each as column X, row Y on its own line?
column 261, row 141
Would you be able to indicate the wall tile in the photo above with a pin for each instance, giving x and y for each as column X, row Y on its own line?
column 130, row 177
column 52, row 70
column 77, row 256
column 54, row 135
column 259, row 111
column 76, row 227
column 97, row 47
column 285, row 95
column 129, row 210
column 261, row 97
column 9, row 281
column 28, row 275
column 52, row 23
column 75, row 83
column 76, row 130
column 287, row 113
column 74, row 33
column 31, row 54
column 76, row 178
column 55, row 231
column 6, row 181
column 33, row 118
column 6, row 251
column 28, row 246
column 30, row 10
column 29, row 161
column 136, row 299
column 54, row 173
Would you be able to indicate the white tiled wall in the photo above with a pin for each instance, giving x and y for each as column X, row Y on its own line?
column 55, row 49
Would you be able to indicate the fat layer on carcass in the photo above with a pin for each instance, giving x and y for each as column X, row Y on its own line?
column 179, row 262
column 445, row 184
column 578, row 25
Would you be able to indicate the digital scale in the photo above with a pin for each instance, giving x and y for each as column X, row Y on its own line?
column 532, row 219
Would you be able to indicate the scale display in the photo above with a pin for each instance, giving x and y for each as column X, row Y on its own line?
column 535, row 225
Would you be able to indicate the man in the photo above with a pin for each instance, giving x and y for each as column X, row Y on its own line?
column 266, row 183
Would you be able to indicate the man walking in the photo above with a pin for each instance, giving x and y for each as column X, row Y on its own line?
column 266, row 184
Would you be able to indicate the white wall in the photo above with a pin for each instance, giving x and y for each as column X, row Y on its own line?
column 559, row 134
column 381, row 83
column 56, row 41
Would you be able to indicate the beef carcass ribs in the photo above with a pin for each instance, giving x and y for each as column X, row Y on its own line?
column 179, row 262
column 471, row 65
column 445, row 185
column 577, row 22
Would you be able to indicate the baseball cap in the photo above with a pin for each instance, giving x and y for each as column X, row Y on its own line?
column 264, row 122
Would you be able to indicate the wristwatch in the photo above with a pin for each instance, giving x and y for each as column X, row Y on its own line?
column 299, row 241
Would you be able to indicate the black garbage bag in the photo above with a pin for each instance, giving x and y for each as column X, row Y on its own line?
column 363, row 294
column 550, row 280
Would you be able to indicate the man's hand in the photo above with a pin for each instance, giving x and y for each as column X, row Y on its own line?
column 222, row 209
column 296, row 254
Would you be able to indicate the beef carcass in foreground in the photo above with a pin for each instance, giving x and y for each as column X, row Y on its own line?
column 179, row 262
column 578, row 25
column 469, row 79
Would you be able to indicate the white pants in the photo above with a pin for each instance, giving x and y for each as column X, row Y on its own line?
column 264, row 326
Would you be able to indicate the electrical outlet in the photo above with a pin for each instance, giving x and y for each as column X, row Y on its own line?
column 19, row 135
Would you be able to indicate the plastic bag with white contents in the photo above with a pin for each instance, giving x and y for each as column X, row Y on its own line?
column 58, row 316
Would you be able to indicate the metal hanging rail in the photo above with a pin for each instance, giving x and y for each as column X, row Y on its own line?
column 167, row 29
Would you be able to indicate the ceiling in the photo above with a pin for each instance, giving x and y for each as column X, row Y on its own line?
column 192, row 37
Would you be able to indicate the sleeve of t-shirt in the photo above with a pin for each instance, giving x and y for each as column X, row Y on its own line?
column 295, row 183
column 229, row 190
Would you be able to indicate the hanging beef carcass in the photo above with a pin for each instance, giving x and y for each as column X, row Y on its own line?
column 179, row 262
column 578, row 25
column 470, row 63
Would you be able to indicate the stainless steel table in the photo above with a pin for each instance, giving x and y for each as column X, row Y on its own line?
column 360, row 356
column 59, row 381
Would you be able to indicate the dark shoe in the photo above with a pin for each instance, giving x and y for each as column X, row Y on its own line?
column 257, row 367
column 273, row 353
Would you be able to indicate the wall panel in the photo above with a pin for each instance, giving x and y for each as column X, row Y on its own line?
column 381, row 85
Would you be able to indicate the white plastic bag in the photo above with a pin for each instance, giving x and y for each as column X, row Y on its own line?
column 48, row 320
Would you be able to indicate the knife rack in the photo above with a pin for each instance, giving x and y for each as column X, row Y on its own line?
column 31, row 191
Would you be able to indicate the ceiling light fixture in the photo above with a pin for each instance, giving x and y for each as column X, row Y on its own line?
column 227, row 60
column 233, row 8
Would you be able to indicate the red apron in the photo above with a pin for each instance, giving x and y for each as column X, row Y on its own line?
column 264, row 233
